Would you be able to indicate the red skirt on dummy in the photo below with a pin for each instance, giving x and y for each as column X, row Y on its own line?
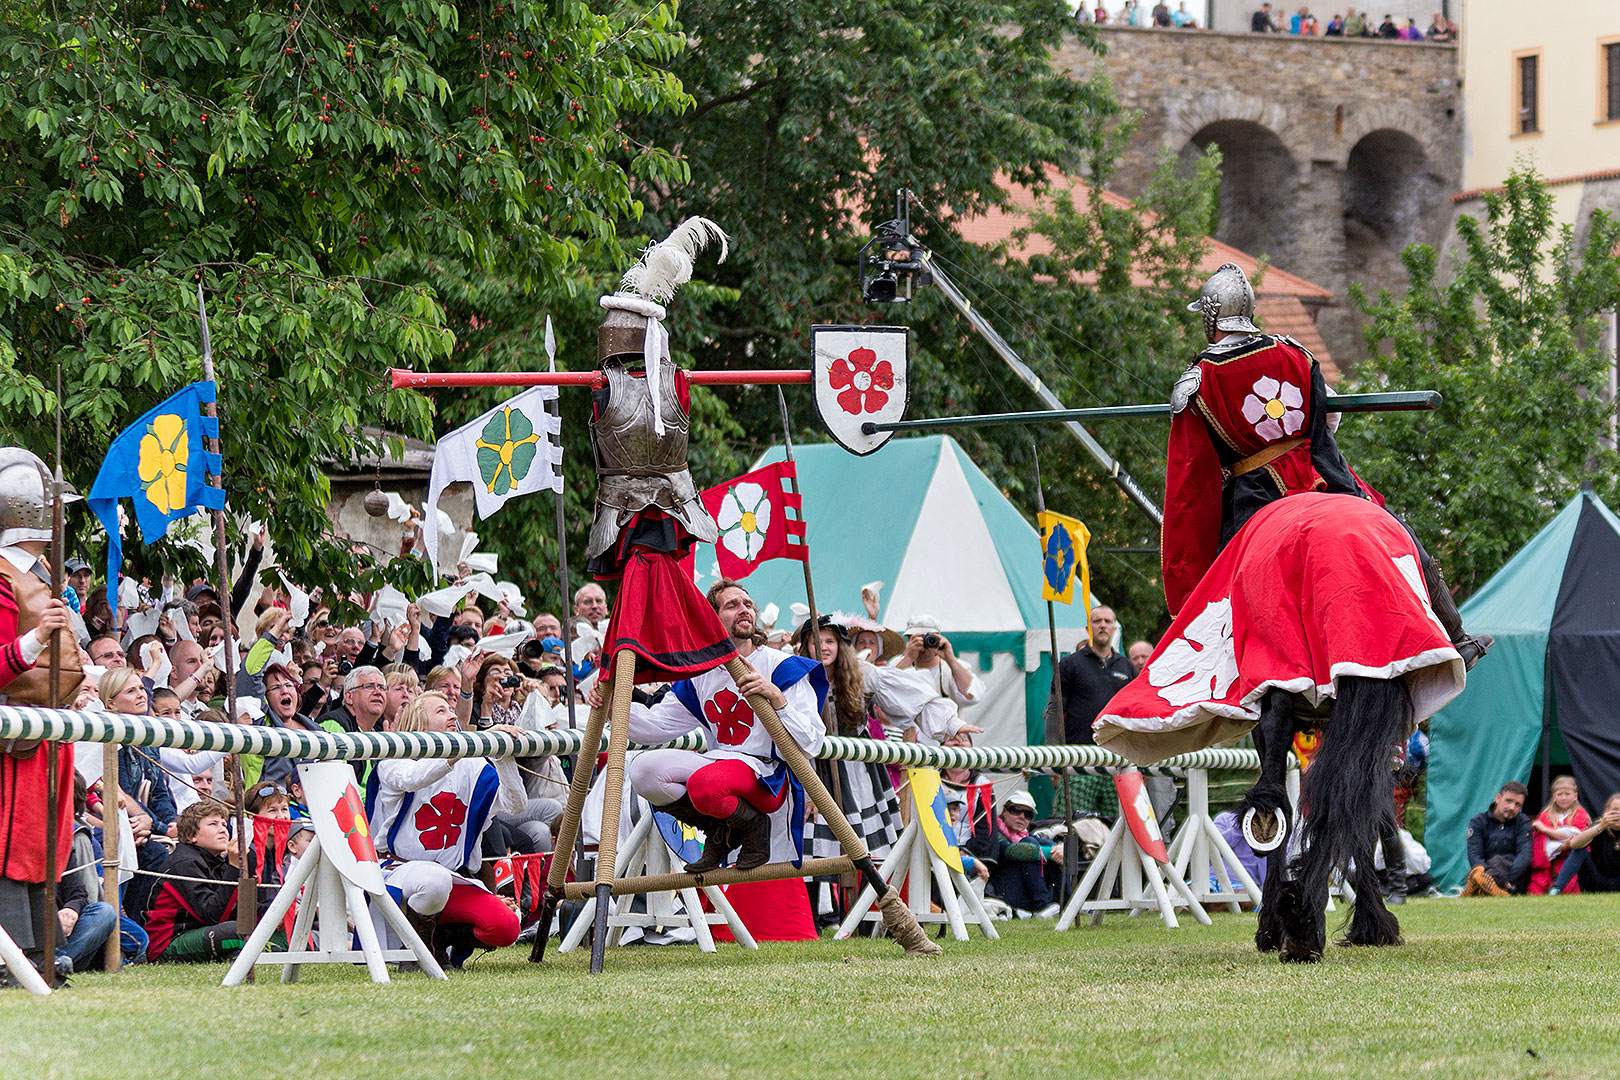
column 660, row 615
column 772, row 910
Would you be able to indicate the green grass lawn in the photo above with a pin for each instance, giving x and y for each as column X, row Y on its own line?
column 1483, row 988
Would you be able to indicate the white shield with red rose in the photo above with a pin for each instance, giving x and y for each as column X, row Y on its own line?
column 860, row 376
column 338, row 811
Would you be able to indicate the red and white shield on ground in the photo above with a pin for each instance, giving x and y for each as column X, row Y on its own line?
column 860, row 379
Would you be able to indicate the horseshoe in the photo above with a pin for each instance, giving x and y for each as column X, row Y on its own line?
column 1279, row 831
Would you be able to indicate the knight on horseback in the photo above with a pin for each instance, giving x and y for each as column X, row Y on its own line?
column 1250, row 421
column 1299, row 604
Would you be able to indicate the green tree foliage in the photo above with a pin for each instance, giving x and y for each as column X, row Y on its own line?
column 329, row 171
column 1513, row 344
column 809, row 115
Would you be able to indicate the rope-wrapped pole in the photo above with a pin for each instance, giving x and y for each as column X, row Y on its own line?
column 562, row 851
column 896, row 916
column 607, row 845
column 111, row 863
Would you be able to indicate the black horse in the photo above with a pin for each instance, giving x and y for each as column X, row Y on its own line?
column 1347, row 800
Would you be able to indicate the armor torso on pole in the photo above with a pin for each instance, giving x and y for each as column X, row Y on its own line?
column 33, row 687
column 636, row 468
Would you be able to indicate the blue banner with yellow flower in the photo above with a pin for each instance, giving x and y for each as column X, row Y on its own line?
column 1063, row 548
column 161, row 463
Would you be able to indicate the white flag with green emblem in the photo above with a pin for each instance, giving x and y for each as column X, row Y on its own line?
column 513, row 449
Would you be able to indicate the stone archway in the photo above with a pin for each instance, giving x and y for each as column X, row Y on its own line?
column 1259, row 206
column 1391, row 198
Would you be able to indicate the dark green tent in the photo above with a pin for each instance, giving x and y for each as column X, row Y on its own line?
column 1550, row 685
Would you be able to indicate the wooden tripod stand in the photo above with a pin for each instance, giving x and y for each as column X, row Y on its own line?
column 896, row 916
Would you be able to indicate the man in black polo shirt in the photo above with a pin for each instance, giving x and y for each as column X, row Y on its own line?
column 1499, row 846
column 1090, row 676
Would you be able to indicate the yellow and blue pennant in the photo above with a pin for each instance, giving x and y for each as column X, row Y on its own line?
column 161, row 463
column 1063, row 552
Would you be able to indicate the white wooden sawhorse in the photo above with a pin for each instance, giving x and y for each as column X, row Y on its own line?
column 648, row 854
column 913, row 859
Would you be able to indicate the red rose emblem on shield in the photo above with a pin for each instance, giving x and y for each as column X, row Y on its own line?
column 351, row 818
column 439, row 820
column 731, row 716
column 862, row 380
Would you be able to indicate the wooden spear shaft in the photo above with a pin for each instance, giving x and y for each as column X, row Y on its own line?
column 1071, row 843
column 246, row 884
column 53, row 750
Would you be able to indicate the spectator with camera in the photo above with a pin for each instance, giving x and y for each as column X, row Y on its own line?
column 494, row 691
column 929, row 653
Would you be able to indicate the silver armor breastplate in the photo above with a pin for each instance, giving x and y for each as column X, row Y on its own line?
column 635, row 467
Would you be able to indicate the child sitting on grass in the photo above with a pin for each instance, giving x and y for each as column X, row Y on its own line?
column 190, row 921
column 1560, row 820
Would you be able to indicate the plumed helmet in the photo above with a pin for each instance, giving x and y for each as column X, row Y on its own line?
column 1226, row 301
column 25, row 506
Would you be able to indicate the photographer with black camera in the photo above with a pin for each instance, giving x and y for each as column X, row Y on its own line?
column 494, row 692
column 929, row 652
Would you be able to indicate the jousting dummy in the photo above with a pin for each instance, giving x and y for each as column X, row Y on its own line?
column 648, row 516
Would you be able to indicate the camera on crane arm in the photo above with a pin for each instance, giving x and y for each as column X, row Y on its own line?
column 893, row 262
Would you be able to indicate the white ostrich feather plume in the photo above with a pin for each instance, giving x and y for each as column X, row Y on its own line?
column 667, row 265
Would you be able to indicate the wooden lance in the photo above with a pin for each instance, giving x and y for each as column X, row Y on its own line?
column 246, row 884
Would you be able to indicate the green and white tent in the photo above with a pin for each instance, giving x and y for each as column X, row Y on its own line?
column 919, row 516
column 1547, row 687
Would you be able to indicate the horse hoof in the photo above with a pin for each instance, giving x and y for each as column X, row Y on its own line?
column 1264, row 833
column 1294, row 953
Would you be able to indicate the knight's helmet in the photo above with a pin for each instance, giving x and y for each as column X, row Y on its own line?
column 1226, row 302
column 639, row 438
column 633, row 327
column 25, row 504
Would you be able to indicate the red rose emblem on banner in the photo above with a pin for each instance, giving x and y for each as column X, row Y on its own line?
column 439, row 820
column 862, row 380
column 731, row 716
column 351, row 818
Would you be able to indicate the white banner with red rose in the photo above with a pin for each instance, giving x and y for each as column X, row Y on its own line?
column 860, row 374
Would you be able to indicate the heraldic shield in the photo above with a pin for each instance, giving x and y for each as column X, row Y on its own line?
column 861, row 377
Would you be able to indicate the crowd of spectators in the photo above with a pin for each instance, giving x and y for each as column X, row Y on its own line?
column 1302, row 23
column 1157, row 16
column 1511, row 853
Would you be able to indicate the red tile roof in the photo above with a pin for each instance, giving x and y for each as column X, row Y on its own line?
column 1280, row 297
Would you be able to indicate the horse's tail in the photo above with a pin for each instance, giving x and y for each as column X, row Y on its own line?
column 1346, row 793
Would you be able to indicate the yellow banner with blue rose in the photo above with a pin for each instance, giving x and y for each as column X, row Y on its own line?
column 1063, row 554
column 162, row 464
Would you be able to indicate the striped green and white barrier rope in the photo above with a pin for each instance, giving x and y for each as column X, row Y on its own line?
column 70, row 725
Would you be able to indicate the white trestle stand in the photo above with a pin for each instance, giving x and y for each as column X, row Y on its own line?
column 21, row 970
column 1200, row 850
column 649, row 854
column 340, row 880
column 1125, row 858
column 914, row 860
